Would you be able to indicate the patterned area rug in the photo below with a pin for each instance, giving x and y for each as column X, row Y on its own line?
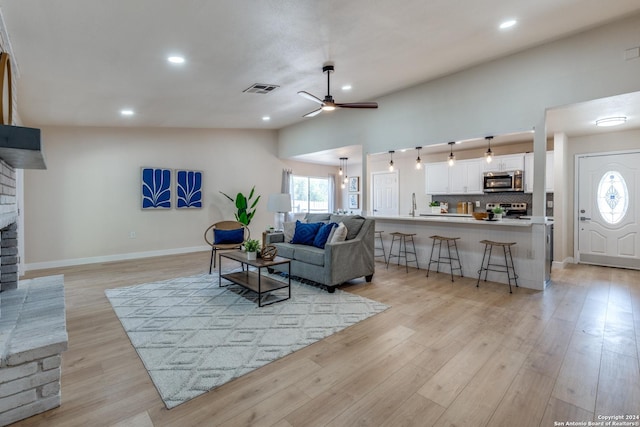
column 193, row 336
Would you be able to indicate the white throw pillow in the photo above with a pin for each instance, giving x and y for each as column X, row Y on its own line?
column 289, row 230
column 339, row 233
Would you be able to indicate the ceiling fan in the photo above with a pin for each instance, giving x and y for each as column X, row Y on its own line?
column 328, row 104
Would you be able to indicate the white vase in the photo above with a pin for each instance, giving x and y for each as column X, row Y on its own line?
column 435, row 209
column 252, row 256
column 497, row 217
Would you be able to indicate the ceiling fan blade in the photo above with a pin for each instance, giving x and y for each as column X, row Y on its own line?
column 313, row 113
column 310, row 97
column 358, row 105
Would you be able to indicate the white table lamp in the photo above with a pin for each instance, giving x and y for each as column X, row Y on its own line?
column 279, row 203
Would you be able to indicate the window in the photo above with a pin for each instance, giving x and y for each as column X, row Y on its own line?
column 310, row 194
column 613, row 197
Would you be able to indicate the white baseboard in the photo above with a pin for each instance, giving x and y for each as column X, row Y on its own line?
column 111, row 258
column 563, row 264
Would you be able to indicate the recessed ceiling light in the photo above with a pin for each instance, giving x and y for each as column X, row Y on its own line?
column 508, row 24
column 611, row 121
column 346, row 87
column 266, row 118
column 126, row 112
column 176, row 59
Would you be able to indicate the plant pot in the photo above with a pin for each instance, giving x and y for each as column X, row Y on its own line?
column 435, row 209
column 497, row 217
column 252, row 256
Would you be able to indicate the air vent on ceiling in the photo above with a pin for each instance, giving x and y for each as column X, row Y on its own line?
column 262, row 88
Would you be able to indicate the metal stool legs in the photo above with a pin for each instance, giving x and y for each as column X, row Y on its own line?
column 381, row 248
column 402, row 253
column 507, row 267
column 451, row 243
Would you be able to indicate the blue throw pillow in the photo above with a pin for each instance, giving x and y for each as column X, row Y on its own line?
column 228, row 236
column 305, row 233
column 323, row 234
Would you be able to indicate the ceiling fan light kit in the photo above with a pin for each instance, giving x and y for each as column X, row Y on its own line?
column 328, row 104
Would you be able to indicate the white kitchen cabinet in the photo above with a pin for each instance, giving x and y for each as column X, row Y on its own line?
column 474, row 176
column 511, row 162
column 437, row 178
column 464, row 177
column 528, row 173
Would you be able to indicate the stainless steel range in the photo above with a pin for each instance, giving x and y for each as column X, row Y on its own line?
column 513, row 210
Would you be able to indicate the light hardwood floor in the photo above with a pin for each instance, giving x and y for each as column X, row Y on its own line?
column 443, row 354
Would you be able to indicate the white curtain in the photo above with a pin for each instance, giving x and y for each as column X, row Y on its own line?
column 332, row 192
column 285, row 187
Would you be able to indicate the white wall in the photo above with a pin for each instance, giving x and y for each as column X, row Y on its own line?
column 84, row 206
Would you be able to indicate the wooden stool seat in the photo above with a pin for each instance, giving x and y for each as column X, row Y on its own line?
column 493, row 243
column 443, row 238
column 453, row 256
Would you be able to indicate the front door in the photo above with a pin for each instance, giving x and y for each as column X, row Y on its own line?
column 608, row 212
column 385, row 193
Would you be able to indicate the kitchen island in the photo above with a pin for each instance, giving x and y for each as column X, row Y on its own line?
column 531, row 254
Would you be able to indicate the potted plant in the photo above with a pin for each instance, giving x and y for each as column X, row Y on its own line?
column 435, row 207
column 251, row 247
column 246, row 208
column 497, row 212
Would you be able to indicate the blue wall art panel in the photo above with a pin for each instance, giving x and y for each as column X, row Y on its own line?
column 188, row 189
column 156, row 188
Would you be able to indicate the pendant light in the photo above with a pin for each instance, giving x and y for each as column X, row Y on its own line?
column 343, row 171
column 391, row 161
column 488, row 156
column 418, row 160
column 452, row 158
column 346, row 174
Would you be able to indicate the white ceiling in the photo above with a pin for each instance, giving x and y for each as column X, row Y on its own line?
column 81, row 61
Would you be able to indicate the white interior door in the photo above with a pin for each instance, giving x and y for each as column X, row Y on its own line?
column 607, row 217
column 385, row 193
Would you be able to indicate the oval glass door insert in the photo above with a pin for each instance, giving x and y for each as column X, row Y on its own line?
column 613, row 197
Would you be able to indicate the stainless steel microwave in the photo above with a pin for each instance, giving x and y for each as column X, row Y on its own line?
column 495, row 182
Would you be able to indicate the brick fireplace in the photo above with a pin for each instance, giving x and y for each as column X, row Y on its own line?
column 8, row 228
column 33, row 331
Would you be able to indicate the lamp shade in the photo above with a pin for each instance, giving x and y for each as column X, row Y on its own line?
column 279, row 202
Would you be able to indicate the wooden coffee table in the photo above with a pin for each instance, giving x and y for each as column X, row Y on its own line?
column 254, row 280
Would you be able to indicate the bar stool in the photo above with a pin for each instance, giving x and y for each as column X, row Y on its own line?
column 402, row 240
column 507, row 267
column 451, row 242
column 377, row 249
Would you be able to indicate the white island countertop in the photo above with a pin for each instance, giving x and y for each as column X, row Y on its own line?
column 457, row 219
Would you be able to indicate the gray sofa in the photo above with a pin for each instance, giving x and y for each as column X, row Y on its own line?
column 338, row 262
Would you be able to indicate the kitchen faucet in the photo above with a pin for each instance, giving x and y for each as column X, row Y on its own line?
column 413, row 204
